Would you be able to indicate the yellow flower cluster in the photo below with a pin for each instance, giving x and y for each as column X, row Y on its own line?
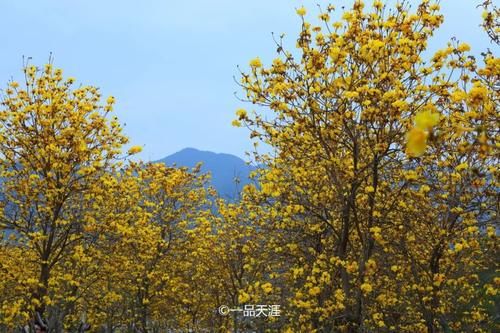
column 418, row 135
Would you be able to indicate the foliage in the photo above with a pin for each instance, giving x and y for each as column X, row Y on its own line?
column 375, row 211
column 383, row 181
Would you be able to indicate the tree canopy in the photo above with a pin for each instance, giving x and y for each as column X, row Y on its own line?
column 375, row 209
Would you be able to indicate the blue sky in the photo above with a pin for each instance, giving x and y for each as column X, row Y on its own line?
column 170, row 64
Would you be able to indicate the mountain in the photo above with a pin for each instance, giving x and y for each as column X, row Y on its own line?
column 224, row 169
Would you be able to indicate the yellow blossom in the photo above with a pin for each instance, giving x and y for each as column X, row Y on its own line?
column 366, row 288
column 416, row 142
column 369, row 189
column 255, row 63
column 426, row 120
column 314, row 291
column 478, row 93
column 134, row 150
column 463, row 47
column 461, row 166
column 241, row 113
column 267, row 287
column 301, row 11
column 243, row 297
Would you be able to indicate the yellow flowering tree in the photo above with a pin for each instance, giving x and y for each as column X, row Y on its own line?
column 155, row 246
column 244, row 262
column 55, row 143
column 382, row 177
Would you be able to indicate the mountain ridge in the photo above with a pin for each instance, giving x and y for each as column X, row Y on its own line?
column 224, row 168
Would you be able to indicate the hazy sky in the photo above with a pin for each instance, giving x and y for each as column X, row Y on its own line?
column 170, row 64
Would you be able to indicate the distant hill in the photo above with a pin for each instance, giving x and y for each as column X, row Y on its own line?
column 224, row 169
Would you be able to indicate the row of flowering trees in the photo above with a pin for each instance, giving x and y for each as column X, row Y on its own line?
column 375, row 211
column 85, row 235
